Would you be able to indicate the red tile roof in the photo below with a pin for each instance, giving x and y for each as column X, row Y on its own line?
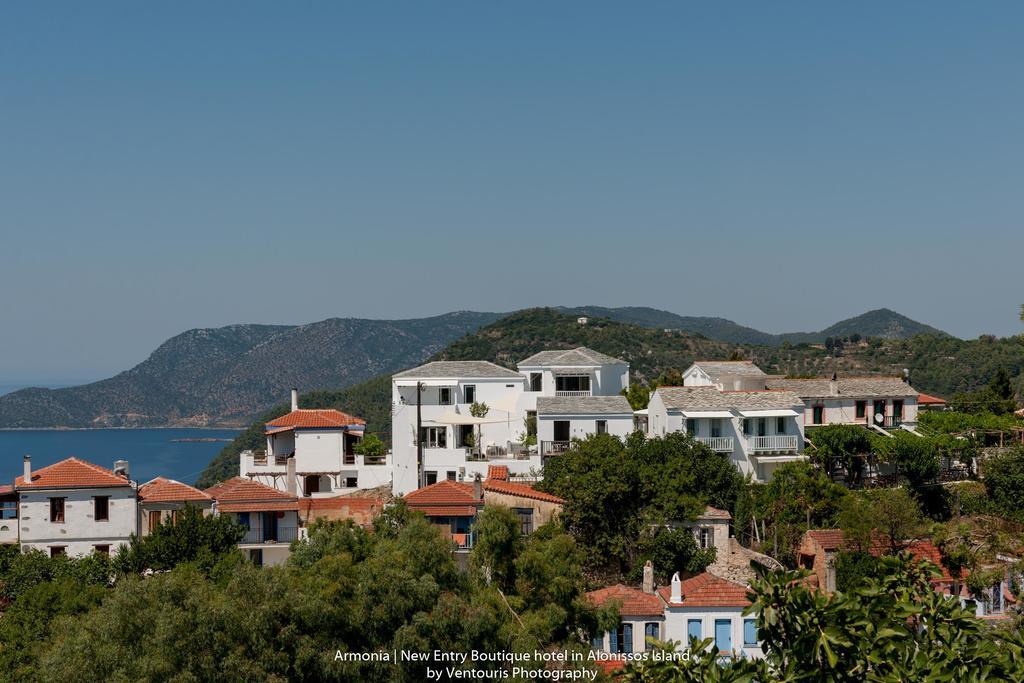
column 708, row 590
column 832, row 539
column 245, row 495
column 633, row 601
column 828, row 539
column 522, row 490
column 928, row 400
column 4, row 490
column 444, row 492
column 163, row 490
column 352, row 503
column 497, row 472
column 315, row 417
column 714, row 513
column 71, row 473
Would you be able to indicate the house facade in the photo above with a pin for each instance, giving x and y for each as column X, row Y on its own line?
column 562, row 419
column 161, row 499
column 879, row 403
column 315, row 449
column 270, row 516
column 758, row 430
column 75, row 508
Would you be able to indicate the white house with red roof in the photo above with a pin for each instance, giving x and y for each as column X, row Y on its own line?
column 161, row 499
column 312, row 452
column 270, row 516
column 74, row 507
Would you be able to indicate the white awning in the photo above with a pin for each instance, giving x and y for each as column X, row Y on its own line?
column 779, row 458
column 412, row 381
column 782, row 412
column 706, row 413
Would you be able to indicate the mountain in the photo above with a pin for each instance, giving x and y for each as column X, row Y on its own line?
column 941, row 365
column 882, row 323
column 227, row 375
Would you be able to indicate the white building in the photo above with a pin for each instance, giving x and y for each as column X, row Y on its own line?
column 707, row 606
column 733, row 375
column 271, row 518
column 75, row 508
column 881, row 403
column 320, row 445
column 757, row 430
column 161, row 499
column 554, row 397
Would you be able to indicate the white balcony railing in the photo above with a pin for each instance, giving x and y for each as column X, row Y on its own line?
column 585, row 392
column 719, row 444
column 779, row 442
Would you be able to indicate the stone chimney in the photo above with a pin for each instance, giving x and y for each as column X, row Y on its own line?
column 833, row 385
column 295, row 399
column 289, row 477
column 121, row 468
column 677, row 589
column 648, row 584
column 27, row 465
column 478, row 487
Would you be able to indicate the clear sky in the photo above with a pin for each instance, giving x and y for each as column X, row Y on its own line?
column 165, row 166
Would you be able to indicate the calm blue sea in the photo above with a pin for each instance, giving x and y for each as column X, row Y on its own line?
column 149, row 452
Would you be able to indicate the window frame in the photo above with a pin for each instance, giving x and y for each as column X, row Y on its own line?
column 690, row 624
column 469, row 393
column 647, row 633
column 818, row 414
column 536, row 380
column 58, row 507
column 749, row 637
column 601, row 426
column 444, row 396
column 96, row 508
column 860, row 410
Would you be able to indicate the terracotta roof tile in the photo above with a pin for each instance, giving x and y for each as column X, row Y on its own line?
column 315, row 417
column 497, row 472
column 832, row 539
column 444, row 492
column 714, row 513
column 633, row 601
column 259, row 506
column 828, row 539
column 707, row 590
column 163, row 490
column 71, row 473
column 929, row 400
column 242, row 490
column 522, row 490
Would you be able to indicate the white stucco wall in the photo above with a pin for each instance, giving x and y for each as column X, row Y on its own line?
column 79, row 532
column 844, row 410
column 582, row 426
column 677, row 618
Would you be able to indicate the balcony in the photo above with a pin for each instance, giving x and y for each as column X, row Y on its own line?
column 573, row 394
column 719, row 444
column 780, row 443
column 554, row 447
column 256, row 536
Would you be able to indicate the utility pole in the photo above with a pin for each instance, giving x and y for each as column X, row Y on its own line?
column 419, row 436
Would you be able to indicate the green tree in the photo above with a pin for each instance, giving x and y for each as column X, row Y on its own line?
column 638, row 395
column 191, row 536
column 916, row 458
column 1004, row 482
column 371, row 445
column 885, row 516
column 499, row 542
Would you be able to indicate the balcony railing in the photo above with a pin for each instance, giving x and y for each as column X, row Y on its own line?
column 779, row 442
column 584, row 392
column 257, row 535
column 554, row 447
column 892, row 421
column 719, row 444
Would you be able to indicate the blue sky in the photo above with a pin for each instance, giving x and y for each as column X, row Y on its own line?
column 168, row 166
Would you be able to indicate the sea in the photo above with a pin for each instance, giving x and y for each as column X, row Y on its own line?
column 170, row 453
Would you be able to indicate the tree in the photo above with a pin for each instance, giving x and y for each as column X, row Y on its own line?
column 1000, row 384
column 370, row 445
column 190, row 536
column 499, row 542
column 638, row 395
column 840, row 445
column 916, row 458
column 886, row 516
column 1004, row 482
column 479, row 409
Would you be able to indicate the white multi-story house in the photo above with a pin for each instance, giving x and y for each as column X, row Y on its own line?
column 881, row 403
column 555, row 396
column 758, row 430
column 271, row 518
column 74, row 507
column 315, row 450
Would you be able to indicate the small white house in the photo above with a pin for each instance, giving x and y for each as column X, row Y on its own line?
column 881, row 403
column 74, row 507
column 707, row 606
column 270, row 517
column 562, row 419
column 734, row 375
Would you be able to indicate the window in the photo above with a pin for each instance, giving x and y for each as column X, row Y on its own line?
column 723, row 635
column 525, row 516
column 691, row 427
column 101, row 549
column 746, row 427
column 897, row 410
column 469, row 392
column 154, row 520
column 561, row 430
column 716, row 427
column 705, row 537
column 269, row 526
column 860, row 409
column 536, row 380
column 8, row 509
column 602, row 426
column 597, row 642
column 818, row 415
column 101, row 508
column 762, row 426
column 451, row 475
column 622, row 639
column 693, row 629
column 352, row 482
column 749, row 633
column 243, row 519
column 431, row 478
column 444, row 396
column 572, row 383
column 312, row 484
column 435, row 437
column 780, row 425
column 652, row 629
column 58, row 550
column 57, row 510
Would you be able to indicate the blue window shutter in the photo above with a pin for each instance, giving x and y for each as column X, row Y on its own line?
column 693, row 629
column 243, row 519
column 627, row 638
column 598, row 642
column 613, row 642
column 749, row 632
column 723, row 634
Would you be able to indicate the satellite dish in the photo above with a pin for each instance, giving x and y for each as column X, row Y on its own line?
column 879, row 418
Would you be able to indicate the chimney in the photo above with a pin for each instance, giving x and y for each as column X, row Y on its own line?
column 833, row 385
column 648, row 584
column 121, row 468
column 677, row 589
column 478, row 487
column 290, row 476
column 295, row 399
column 28, row 468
